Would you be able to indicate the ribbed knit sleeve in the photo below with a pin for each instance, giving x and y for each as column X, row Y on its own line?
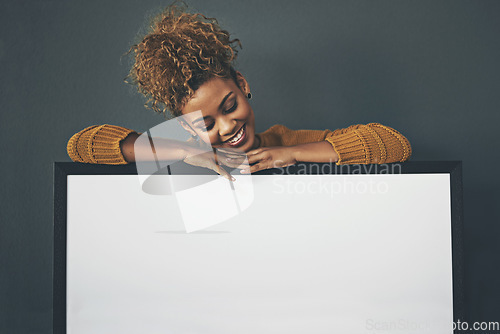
column 372, row 143
column 98, row 144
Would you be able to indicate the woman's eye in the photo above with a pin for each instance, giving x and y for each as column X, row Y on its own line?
column 230, row 110
column 207, row 127
column 211, row 125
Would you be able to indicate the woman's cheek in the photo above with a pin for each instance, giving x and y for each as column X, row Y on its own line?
column 205, row 137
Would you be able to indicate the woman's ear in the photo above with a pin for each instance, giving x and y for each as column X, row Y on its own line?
column 242, row 83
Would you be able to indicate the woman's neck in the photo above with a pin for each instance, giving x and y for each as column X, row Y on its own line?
column 256, row 142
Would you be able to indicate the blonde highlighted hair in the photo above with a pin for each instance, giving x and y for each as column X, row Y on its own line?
column 180, row 53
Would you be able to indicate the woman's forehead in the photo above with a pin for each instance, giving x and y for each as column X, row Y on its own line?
column 209, row 96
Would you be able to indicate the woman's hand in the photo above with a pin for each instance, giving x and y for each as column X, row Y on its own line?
column 283, row 156
column 213, row 161
column 269, row 157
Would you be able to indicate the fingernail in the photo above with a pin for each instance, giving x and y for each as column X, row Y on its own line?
column 244, row 171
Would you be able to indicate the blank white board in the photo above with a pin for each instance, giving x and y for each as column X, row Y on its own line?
column 363, row 254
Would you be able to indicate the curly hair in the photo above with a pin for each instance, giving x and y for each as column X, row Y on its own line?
column 180, row 53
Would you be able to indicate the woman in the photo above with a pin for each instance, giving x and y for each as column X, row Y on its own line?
column 184, row 65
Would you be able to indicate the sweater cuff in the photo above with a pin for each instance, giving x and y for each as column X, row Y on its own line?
column 368, row 144
column 98, row 145
column 349, row 147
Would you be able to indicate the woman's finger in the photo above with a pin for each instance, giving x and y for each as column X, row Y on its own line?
column 256, row 151
column 255, row 168
column 235, row 163
column 257, row 157
column 236, row 157
column 281, row 164
column 231, row 152
column 221, row 156
column 221, row 171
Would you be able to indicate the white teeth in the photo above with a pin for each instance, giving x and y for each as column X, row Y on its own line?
column 238, row 136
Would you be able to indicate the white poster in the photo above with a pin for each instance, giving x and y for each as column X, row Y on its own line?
column 315, row 254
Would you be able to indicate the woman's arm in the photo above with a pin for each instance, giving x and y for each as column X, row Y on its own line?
column 372, row 143
column 127, row 146
column 276, row 156
column 357, row 144
column 321, row 151
column 163, row 149
column 115, row 145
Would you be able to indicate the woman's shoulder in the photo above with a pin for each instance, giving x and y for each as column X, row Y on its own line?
column 272, row 136
column 277, row 128
column 280, row 135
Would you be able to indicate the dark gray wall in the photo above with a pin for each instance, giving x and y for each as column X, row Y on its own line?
column 427, row 68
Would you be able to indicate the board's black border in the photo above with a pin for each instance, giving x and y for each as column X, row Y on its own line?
column 63, row 169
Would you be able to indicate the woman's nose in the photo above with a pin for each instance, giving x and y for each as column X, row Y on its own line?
column 227, row 126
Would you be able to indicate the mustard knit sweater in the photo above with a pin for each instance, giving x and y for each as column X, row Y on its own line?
column 357, row 144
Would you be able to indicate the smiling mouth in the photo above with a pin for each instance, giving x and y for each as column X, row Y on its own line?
column 238, row 138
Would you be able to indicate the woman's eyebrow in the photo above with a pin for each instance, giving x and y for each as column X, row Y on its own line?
column 220, row 107
column 224, row 100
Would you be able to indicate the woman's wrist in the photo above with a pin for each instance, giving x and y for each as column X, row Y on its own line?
column 321, row 151
column 169, row 149
column 188, row 151
column 127, row 147
column 161, row 149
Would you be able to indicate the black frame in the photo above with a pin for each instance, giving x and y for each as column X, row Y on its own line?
column 63, row 169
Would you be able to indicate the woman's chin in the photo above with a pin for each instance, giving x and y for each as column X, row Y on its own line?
column 248, row 145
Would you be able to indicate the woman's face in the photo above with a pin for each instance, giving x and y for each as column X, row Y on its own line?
column 227, row 120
